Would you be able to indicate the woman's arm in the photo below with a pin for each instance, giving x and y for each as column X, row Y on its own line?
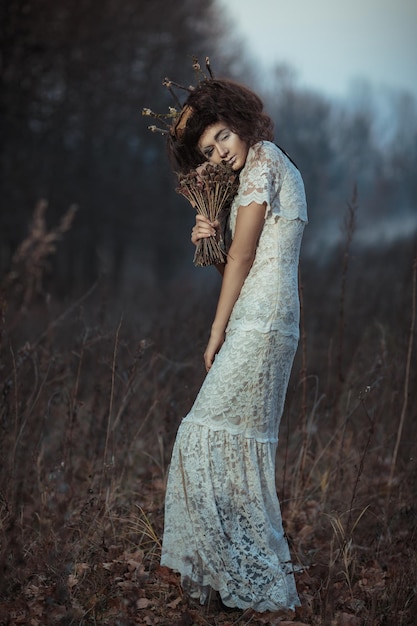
column 249, row 224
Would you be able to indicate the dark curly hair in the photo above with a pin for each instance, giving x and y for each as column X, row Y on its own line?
column 215, row 101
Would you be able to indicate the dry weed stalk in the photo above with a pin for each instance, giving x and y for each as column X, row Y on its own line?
column 143, row 526
column 343, row 535
column 406, row 377
column 350, row 224
column 303, row 378
column 362, row 460
column 30, row 261
column 131, row 387
column 300, row 478
column 349, row 230
column 72, row 405
column 111, row 400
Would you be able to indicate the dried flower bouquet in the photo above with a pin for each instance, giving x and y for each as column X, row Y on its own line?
column 210, row 191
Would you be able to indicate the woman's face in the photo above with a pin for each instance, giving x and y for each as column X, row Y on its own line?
column 218, row 143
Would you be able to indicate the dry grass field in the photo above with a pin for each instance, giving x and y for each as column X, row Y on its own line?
column 90, row 399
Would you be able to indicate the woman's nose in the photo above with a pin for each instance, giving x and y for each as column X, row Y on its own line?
column 223, row 151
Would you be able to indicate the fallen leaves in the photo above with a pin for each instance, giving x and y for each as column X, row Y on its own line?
column 143, row 603
column 112, row 576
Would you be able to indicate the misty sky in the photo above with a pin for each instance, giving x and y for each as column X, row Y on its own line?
column 330, row 43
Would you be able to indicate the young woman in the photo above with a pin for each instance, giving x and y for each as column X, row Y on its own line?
column 223, row 527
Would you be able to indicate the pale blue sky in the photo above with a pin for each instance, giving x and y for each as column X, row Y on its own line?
column 331, row 43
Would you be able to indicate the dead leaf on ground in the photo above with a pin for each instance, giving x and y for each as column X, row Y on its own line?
column 72, row 581
column 167, row 575
column 143, row 603
column 174, row 603
column 347, row 619
column 79, row 568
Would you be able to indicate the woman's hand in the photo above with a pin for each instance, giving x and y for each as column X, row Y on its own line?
column 203, row 228
column 200, row 169
column 215, row 343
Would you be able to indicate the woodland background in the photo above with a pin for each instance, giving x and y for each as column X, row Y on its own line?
column 104, row 322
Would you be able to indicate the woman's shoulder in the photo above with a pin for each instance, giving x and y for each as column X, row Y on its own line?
column 266, row 148
column 265, row 157
column 266, row 153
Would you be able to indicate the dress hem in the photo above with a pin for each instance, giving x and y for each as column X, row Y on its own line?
column 200, row 592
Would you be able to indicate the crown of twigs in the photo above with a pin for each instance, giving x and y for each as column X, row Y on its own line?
column 175, row 120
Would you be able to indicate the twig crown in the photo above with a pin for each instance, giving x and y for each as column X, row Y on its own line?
column 175, row 120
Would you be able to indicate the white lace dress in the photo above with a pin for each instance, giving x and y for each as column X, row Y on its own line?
column 223, row 527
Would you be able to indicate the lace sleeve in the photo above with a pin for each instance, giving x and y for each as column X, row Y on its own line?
column 270, row 177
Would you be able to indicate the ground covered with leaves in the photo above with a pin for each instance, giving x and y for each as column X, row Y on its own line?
column 93, row 560
column 90, row 402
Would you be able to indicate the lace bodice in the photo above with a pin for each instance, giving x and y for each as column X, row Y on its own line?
column 269, row 296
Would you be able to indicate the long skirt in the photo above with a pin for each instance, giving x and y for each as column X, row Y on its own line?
column 223, row 525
